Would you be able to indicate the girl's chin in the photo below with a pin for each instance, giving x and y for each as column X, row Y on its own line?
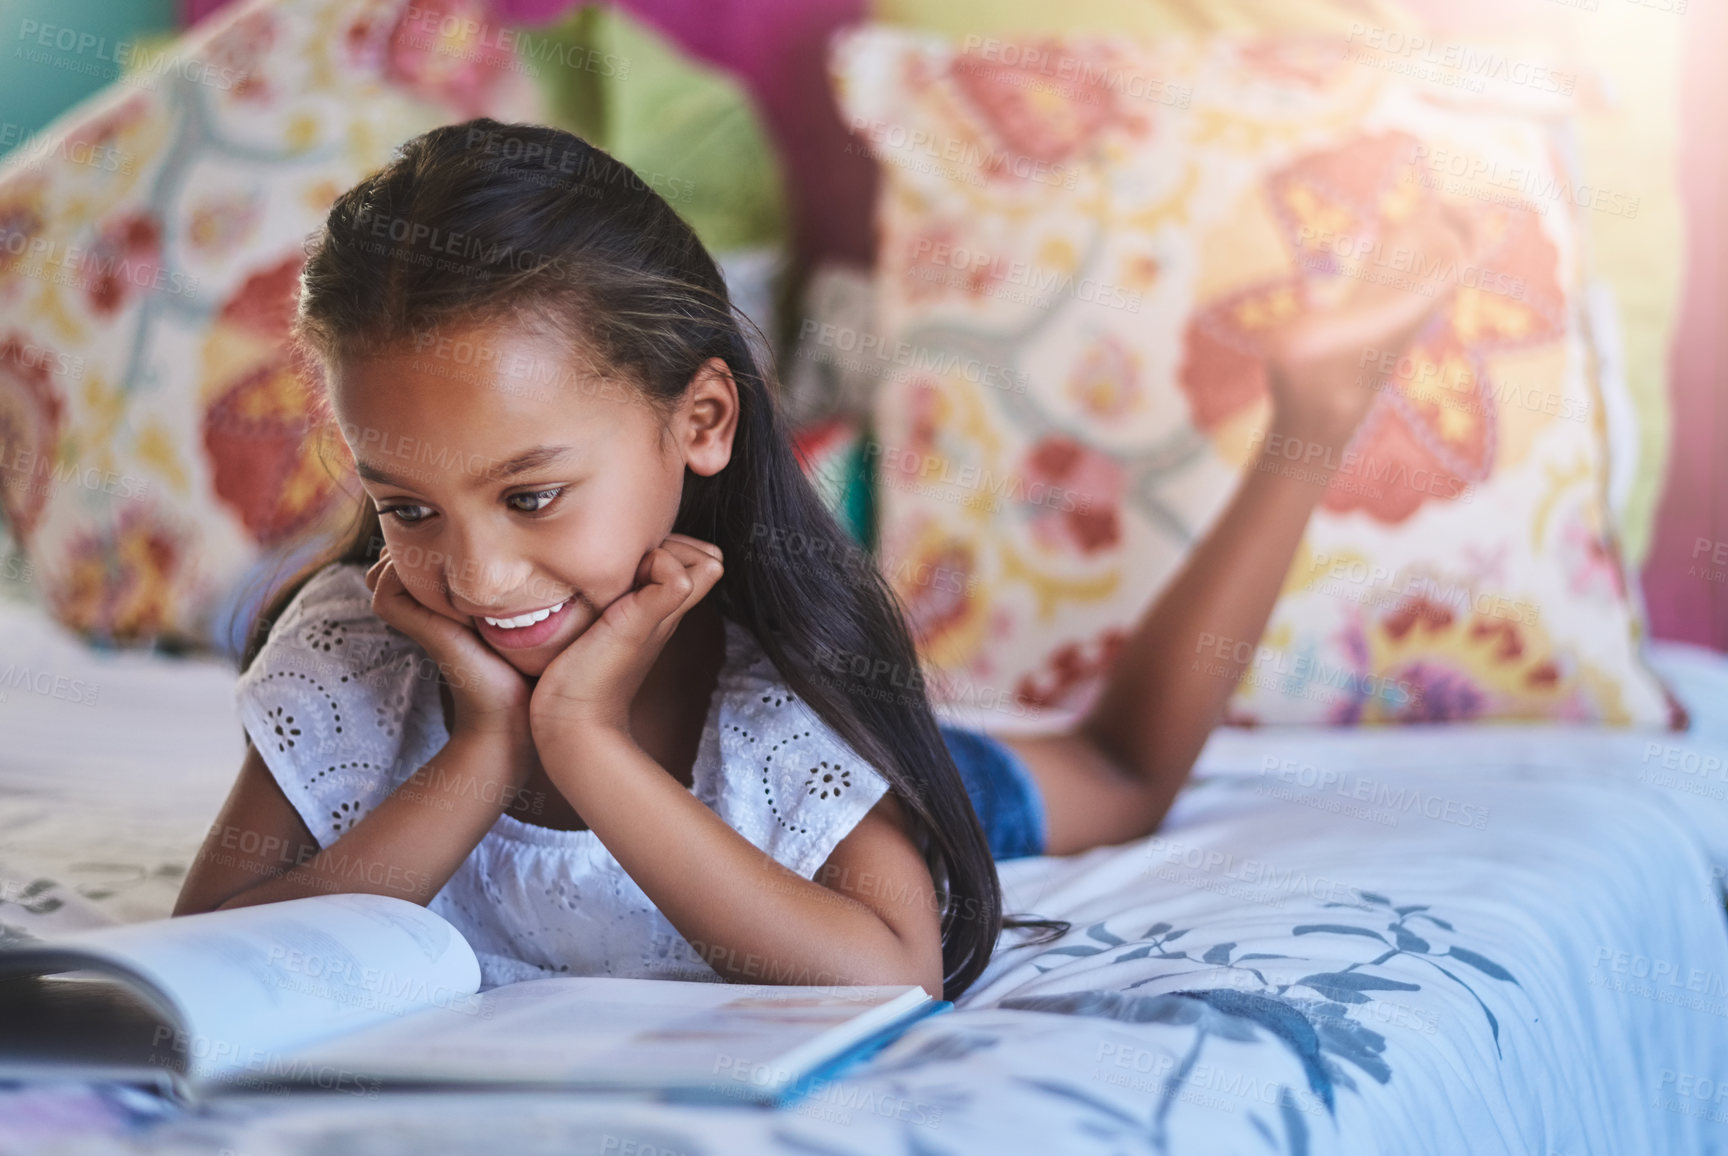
column 527, row 667
column 531, row 662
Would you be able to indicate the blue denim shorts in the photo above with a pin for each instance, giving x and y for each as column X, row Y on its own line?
column 1002, row 790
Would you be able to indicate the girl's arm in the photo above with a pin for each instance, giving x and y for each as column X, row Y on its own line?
column 408, row 846
column 413, row 841
column 751, row 918
column 1173, row 675
column 1177, row 669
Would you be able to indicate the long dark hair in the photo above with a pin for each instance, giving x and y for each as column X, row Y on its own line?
column 482, row 222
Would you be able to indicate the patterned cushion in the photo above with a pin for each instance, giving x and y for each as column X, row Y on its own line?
column 1111, row 225
column 162, row 462
column 158, row 447
column 1623, row 158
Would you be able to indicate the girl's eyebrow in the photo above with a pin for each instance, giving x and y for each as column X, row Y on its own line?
column 522, row 463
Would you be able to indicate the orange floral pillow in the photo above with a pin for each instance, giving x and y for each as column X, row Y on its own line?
column 1082, row 242
column 156, row 454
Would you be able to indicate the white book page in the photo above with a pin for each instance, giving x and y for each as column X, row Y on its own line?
column 254, row 983
column 624, row 1033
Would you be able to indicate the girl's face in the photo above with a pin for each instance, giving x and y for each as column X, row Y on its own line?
column 510, row 481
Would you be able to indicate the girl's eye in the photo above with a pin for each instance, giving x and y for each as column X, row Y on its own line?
column 540, row 499
column 407, row 515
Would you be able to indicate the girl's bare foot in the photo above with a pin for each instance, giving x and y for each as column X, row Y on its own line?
column 1323, row 366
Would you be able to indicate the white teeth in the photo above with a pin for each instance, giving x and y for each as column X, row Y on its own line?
column 529, row 619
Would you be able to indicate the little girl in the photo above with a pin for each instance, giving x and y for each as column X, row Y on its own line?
column 562, row 687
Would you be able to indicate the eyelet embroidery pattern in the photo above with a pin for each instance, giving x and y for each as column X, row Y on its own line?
column 534, row 904
column 341, row 820
column 391, row 711
column 325, row 641
column 326, row 636
column 359, row 768
column 827, row 780
column 283, row 723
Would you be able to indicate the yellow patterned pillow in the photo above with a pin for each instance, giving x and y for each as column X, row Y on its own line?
column 1082, row 240
column 157, row 451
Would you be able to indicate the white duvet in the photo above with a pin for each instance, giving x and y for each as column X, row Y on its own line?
column 1464, row 940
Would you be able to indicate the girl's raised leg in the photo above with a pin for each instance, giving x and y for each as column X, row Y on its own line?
column 1113, row 777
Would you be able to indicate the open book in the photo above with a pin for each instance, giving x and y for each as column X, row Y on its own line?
column 357, row 992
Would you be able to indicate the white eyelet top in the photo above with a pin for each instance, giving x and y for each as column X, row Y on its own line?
column 343, row 709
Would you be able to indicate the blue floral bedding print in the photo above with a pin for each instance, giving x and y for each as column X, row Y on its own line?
column 1270, row 973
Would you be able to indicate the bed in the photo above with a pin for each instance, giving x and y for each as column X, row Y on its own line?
column 1483, row 939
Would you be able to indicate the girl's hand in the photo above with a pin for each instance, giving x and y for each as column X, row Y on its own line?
column 593, row 681
column 1324, row 366
column 489, row 695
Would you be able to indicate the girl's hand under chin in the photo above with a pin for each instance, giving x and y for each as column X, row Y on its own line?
column 489, row 695
column 593, row 681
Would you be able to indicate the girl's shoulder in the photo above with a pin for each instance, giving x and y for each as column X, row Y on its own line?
column 789, row 782
column 340, row 706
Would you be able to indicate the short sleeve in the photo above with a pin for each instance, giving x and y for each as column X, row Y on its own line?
column 790, row 784
column 341, row 707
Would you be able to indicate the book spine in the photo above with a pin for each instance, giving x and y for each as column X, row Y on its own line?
column 858, row 1053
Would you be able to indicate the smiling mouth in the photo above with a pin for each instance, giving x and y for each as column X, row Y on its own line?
column 526, row 631
column 521, row 620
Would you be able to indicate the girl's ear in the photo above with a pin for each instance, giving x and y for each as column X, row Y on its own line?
column 708, row 417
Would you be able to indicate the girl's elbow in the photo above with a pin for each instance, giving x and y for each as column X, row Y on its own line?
column 903, row 972
column 921, row 973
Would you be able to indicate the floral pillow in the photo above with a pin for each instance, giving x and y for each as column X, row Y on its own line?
column 161, row 459
column 157, row 456
column 1083, row 240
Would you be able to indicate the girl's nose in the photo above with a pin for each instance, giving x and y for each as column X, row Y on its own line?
column 483, row 586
